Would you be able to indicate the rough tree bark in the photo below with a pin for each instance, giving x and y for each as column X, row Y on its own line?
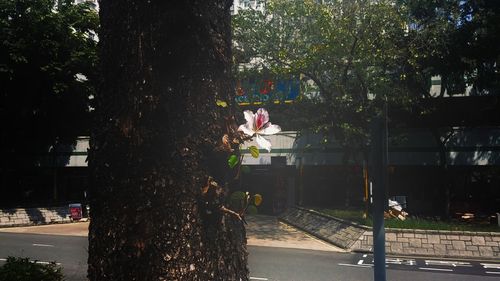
column 154, row 146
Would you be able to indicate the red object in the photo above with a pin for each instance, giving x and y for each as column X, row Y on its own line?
column 75, row 211
column 267, row 87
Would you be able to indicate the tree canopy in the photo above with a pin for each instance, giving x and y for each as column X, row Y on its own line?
column 457, row 40
column 359, row 53
column 48, row 71
column 351, row 50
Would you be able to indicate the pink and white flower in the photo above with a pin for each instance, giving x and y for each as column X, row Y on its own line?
column 258, row 124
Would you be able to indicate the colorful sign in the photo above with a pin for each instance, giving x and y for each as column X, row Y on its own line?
column 249, row 92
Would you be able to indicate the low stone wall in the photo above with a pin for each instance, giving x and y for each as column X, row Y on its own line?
column 435, row 243
column 339, row 232
column 31, row 216
column 354, row 237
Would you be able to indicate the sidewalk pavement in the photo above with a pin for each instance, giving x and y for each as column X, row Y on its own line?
column 269, row 232
column 262, row 230
column 69, row 229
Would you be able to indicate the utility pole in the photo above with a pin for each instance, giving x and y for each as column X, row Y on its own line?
column 379, row 161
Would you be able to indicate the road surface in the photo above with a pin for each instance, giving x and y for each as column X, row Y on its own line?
column 266, row 263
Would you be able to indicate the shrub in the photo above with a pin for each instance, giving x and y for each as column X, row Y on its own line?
column 22, row 269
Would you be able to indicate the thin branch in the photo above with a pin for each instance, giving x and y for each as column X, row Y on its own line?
column 232, row 213
column 349, row 61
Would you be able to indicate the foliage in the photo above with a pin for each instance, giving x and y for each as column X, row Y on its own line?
column 409, row 223
column 254, row 151
column 232, row 161
column 237, row 200
column 48, row 72
column 457, row 40
column 351, row 215
column 352, row 51
column 357, row 54
column 243, row 203
column 422, row 223
column 22, row 269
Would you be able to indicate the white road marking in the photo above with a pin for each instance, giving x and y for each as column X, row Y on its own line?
column 447, row 263
column 491, row 265
column 258, row 278
column 39, row 262
column 356, row 265
column 435, row 269
column 42, row 245
column 45, row 262
column 412, row 262
column 400, row 261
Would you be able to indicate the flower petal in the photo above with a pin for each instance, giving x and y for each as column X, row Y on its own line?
column 249, row 117
column 246, row 130
column 261, row 118
column 270, row 129
column 262, row 142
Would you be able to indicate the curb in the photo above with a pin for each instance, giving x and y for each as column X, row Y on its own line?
column 343, row 234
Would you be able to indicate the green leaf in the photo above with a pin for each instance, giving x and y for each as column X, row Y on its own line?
column 246, row 169
column 238, row 201
column 221, row 103
column 252, row 210
column 232, row 161
column 254, row 151
column 237, row 195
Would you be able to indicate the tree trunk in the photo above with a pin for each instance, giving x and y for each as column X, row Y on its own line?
column 164, row 65
column 443, row 168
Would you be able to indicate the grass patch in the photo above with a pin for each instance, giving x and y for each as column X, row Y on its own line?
column 417, row 223
column 350, row 215
column 409, row 223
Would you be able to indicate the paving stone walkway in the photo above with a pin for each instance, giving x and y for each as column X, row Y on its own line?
column 268, row 231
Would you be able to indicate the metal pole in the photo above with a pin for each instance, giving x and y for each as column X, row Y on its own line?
column 366, row 183
column 379, row 166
